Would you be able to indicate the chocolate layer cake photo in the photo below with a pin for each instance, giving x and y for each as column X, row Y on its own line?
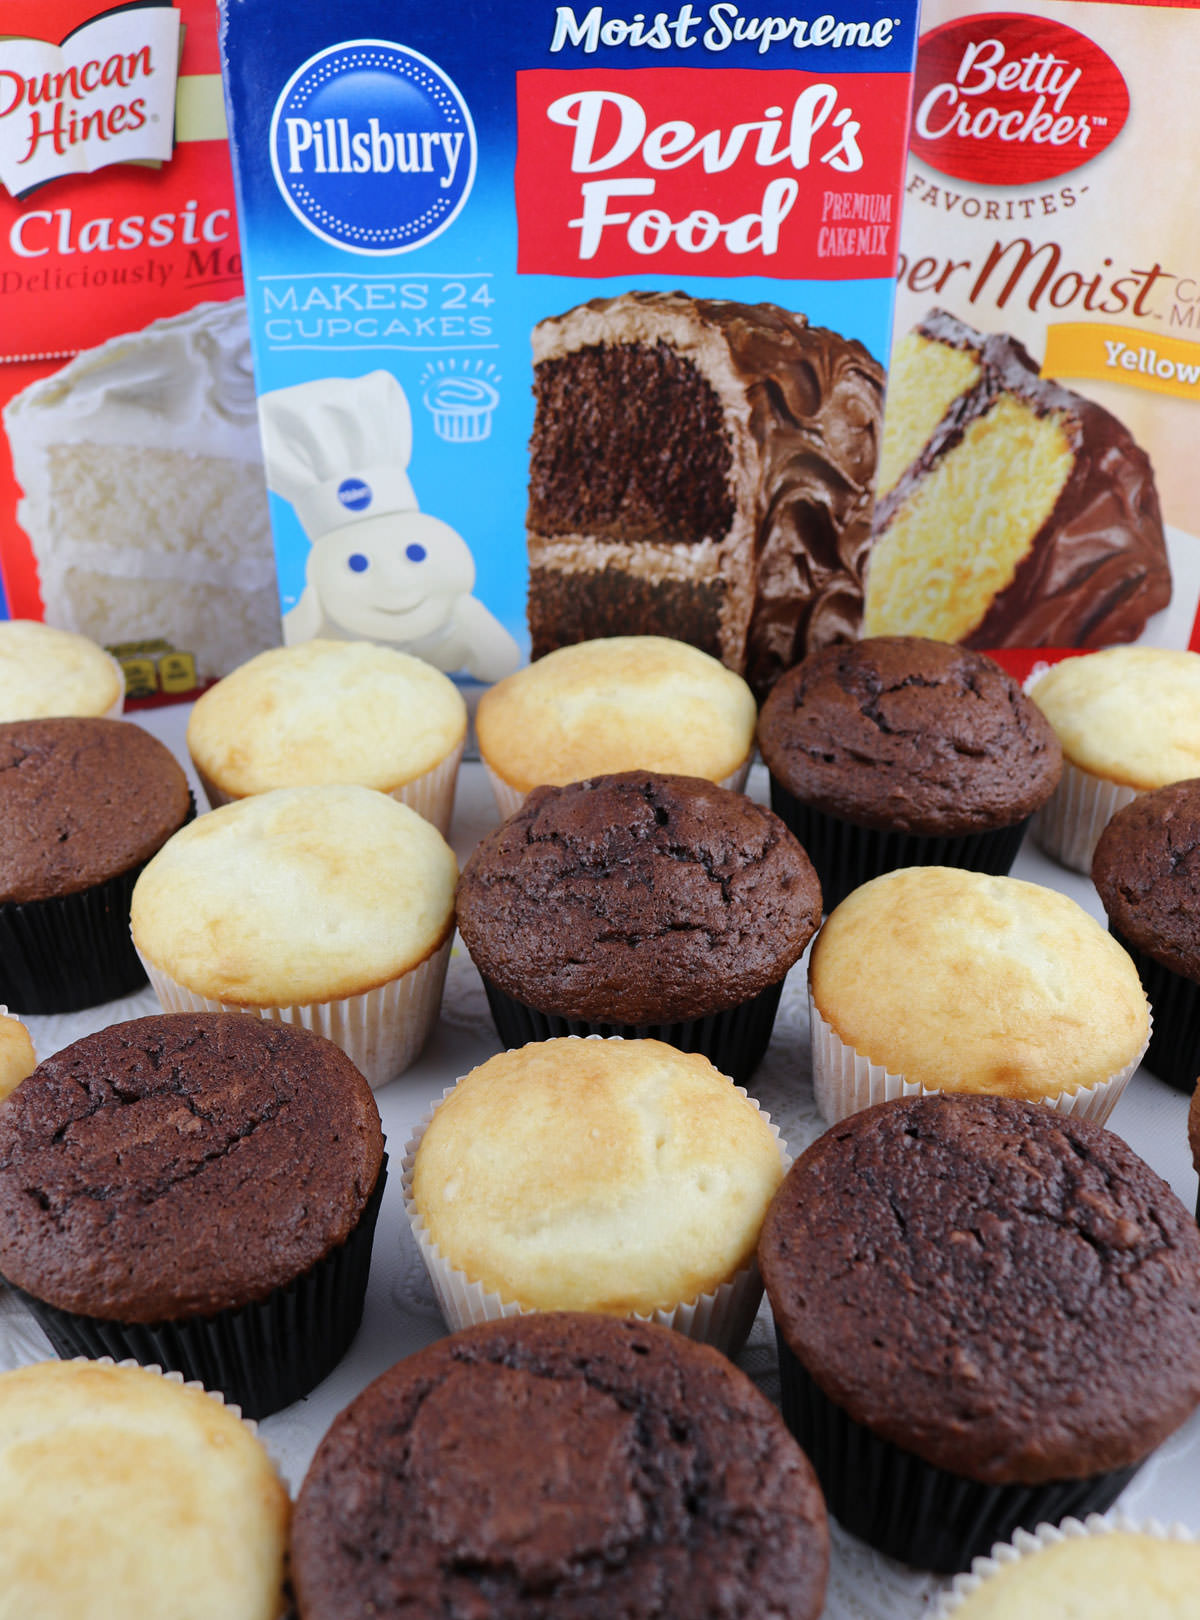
column 702, row 469
column 1010, row 512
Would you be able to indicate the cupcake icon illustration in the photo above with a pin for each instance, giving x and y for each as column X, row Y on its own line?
column 461, row 405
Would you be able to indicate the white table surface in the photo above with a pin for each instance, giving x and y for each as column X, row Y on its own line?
column 400, row 1313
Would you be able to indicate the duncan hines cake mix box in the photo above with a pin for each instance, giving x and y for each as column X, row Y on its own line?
column 132, row 501
column 570, row 321
column 1038, row 486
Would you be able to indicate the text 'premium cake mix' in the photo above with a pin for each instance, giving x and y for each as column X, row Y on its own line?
column 132, row 503
column 1037, row 485
column 570, row 320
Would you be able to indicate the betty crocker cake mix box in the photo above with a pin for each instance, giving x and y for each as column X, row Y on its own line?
column 1038, row 486
column 570, row 320
column 132, row 501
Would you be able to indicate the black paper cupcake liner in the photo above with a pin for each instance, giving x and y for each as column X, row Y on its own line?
column 910, row 1509
column 262, row 1356
column 847, row 855
column 72, row 951
column 733, row 1041
column 1174, row 1050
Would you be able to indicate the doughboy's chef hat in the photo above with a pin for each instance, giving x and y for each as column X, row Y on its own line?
column 337, row 449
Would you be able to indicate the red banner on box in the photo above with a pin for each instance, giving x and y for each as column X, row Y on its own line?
column 680, row 171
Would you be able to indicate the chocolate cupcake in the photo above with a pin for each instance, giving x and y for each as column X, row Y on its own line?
column 639, row 905
column 896, row 751
column 84, row 804
column 1147, row 872
column 567, row 1465
column 988, row 1316
column 197, row 1191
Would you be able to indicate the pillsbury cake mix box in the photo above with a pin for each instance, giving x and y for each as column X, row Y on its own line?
column 132, row 502
column 1038, row 488
column 570, row 320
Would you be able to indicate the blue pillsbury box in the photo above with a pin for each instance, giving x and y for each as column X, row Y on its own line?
column 569, row 320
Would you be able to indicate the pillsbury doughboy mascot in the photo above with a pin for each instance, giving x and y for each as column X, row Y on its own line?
column 380, row 569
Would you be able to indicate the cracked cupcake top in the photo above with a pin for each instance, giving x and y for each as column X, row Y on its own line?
column 567, row 1465
column 920, row 736
column 1008, row 1293
column 182, row 1164
column 637, row 898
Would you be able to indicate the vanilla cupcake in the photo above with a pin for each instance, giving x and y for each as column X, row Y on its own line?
column 331, row 907
column 332, row 711
column 1128, row 720
column 17, row 1059
column 936, row 979
column 624, row 1177
column 1103, row 1568
column 46, row 672
column 124, row 1492
column 620, row 704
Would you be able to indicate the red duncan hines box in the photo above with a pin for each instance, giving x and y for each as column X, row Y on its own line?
column 1037, row 488
column 570, row 321
column 132, row 501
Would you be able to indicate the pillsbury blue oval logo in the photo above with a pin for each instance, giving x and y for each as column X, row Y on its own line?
column 354, row 494
column 372, row 147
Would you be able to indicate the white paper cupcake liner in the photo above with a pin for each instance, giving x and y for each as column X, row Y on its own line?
column 1026, row 1542
column 431, row 795
column 510, row 799
column 116, row 709
column 1069, row 824
column 845, row 1082
column 722, row 1318
column 382, row 1030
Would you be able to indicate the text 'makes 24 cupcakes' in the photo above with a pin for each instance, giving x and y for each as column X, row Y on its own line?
column 639, row 905
column 196, row 1191
column 988, row 1316
column 896, row 751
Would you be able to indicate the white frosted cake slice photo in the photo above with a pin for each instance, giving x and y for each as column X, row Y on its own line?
column 143, row 491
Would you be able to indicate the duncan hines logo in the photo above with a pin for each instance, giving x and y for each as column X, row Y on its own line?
column 105, row 95
column 372, row 147
column 1009, row 100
